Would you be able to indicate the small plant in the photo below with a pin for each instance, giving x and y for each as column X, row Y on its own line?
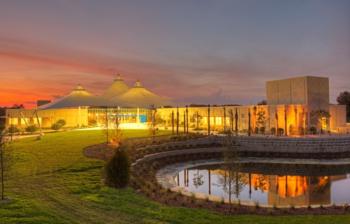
column 274, row 207
column 313, row 130
column 58, row 125
column 222, row 200
column 117, row 169
column 257, row 205
column 31, row 129
column 273, row 131
column 262, row 130
column 280, row 131
column 13, row 129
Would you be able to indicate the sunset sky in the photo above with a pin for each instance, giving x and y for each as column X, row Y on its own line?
column 203, row 51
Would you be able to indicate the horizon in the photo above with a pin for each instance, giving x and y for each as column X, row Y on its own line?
column 213, row 52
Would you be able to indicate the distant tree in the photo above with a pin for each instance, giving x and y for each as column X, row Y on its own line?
column 17, row 106
column 117, row 169
column 262, row 102
column 344, row 99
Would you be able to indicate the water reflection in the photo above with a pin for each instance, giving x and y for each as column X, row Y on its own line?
column 268, row 188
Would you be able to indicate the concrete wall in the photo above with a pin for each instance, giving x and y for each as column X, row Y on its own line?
column 308, row 90
column 338, row 117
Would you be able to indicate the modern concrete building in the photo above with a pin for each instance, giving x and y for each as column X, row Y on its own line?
column 308, row 90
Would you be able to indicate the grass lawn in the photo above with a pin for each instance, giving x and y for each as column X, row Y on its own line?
column 52, row 182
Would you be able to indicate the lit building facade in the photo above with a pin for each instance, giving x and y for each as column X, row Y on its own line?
column 295, row 106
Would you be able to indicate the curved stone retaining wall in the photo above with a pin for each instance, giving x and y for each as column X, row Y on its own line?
column 295, row 145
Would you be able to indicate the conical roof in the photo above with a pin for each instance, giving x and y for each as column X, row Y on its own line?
column 77, row 98
column 138, row 96
column 117, row 88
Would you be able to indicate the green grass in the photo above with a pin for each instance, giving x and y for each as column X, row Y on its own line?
column 52, row 182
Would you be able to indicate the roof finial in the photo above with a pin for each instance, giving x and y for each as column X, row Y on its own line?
column 119, row 77
column 138, row 83
column 79, row 87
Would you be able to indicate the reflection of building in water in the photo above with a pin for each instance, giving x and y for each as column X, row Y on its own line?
column 280, row 190
column 299, row 190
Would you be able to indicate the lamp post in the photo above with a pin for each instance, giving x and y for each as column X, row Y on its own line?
column 224, row 118
column 172, row 123
column 208, row 119
column 186, row 119
column 285, row 121
column 236, row 122
column 249, row 120
column 177, row 121
column 107, row 126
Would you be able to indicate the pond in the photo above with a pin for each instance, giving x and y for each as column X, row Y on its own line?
column 265, row 183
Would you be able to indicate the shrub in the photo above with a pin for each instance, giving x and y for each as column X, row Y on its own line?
column 31, row 128
column 273, row 131
column 117, row 169
column 13, row 129
column 313, row 130
column 262, row 130
column 58, row 125
column 256, row 130
column 280, row 131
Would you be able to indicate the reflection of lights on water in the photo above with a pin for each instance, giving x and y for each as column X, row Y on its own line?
column 279, row 190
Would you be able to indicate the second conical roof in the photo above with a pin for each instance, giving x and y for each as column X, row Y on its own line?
column 117, row 88
column 138, row 96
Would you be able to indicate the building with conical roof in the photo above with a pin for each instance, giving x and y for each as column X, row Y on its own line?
column 78, row 97
column 117, row 88
column 295, row 107
column 139, row 96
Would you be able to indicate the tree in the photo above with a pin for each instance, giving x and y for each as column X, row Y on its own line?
column 261, row 121
column 5, row 161
column 263, row 102
column 2, row 149
column 344, row 99
column 117, row 169
column 233, row 184
column 320, row 116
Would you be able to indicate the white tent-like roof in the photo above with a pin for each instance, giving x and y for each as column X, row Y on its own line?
column 138, row 96
column 117, row 88
column 79, row 97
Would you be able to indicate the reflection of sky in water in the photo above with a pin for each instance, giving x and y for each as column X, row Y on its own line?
column 269, row 189
column 340, row 191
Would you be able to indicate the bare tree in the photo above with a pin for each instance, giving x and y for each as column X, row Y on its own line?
column 5, row 162
column 234, row 184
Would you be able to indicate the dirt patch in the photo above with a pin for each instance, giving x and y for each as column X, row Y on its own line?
column 100, row 151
